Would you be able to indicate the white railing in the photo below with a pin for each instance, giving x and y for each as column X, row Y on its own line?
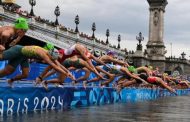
column 49, row 27
column 39, row 23
column 63, row 31
column 43, row 37
column 10, row 14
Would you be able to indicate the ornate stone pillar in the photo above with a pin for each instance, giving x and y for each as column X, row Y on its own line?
column 155, row 46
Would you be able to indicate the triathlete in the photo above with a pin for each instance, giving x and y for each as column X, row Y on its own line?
column 19, row 55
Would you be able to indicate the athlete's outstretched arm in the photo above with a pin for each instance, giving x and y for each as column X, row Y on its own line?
column 117, row 61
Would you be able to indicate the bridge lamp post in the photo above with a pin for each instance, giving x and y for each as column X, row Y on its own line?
column 93, row 29
column 32, row 3
column 119, row 40
column 77, row 22
column 139, row 38
column 57, row 13
column 183, row 55
column 107, row 35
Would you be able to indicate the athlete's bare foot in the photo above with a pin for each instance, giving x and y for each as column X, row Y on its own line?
column 45, row 85
column 10, row 82
column 74, row 82
column 71, row 76
column 101, row 85
column 118, row 89
column 114, row 85
column 2, row 48
column 37, row 81
column 56, row 84
column 84, row 84
column 111, row 76
column 174, row 91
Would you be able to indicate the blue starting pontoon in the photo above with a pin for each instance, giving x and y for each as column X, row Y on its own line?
column 24, row 96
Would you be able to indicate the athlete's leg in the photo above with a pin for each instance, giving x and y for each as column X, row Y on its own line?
column 111, row 76
column 125, row 84
column 50, row 73
column 58, row 80
column 107, row 82
column 7, row 71
column 94, row 79
column 121, row 80
column 116, row 71
column 24, row 74
column 86, row 76
column 82, row 51
column 128, row 83
column 83, row 63
column 186, row 83
column 98, row 78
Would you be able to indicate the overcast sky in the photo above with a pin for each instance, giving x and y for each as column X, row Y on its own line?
column 124, row 17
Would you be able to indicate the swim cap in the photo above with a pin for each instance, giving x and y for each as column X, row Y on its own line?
column 150, row 67
column 21, row 23
column 110, row 52
column 143, row 76
column 54, row 53
column 165, row 74
column 49, row 46
column 132, row 69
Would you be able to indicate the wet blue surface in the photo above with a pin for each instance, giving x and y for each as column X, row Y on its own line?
column 168, row 109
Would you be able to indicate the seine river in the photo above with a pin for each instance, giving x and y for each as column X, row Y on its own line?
column 169, row 109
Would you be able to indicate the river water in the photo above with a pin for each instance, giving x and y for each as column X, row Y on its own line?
column 168, row 109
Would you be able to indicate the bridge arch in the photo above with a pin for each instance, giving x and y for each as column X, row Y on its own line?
column 177, row 70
